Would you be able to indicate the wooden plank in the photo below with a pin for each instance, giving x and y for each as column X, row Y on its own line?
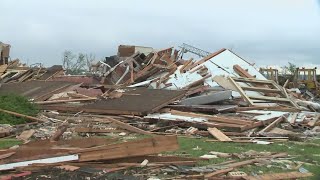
column 224, row 82
column 185, row 65
column 279, row 176
column 293, row 118
column 270, row 98
column 269, row 108
column 286, row 84
column 243, row 94
column 60, row 130
column 260, row 89
column 6, row 155
column 285, row 94
column 242, row 163
column 253, row 80
column 243, row 73
column 200, row 81
column 128, row 127
column 218, row 134
column 218, row 172
column 272, row 125
column 49, row 94
column 245, row 137
column 313, row 122
column 206, row 59
column 142, row 147
column 91, row 130
column 254, row 125
column 65, row 101
column 25, row 135
column 212, row 118
column 22, row 116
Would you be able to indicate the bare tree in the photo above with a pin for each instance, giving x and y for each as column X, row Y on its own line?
column 77, row 64
column 291, row 68
column 89, row 59
column 74, row 64
column 67, row 59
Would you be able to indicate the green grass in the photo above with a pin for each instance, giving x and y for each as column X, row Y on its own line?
column 6, row 143
column 307, row 153
column 17, row 104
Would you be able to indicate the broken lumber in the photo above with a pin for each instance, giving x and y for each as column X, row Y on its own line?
column 91, row 130
column 243, row 73
column 205, row 59
column 64, row 101
column 218, row 172
column 218, row 134
column 242, row 163
column 25, row 135
column 272, row 125
column 278, row 176
column 128, row 127
column 60, row 131
column 23, row 116
column 142, row 147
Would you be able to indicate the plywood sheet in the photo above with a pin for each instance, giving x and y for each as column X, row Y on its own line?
column 135, row 101
column 33, row 89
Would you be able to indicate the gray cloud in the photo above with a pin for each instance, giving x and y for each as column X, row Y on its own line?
column 261, row 31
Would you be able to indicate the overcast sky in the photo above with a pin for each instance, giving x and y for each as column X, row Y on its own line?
column 264, row 32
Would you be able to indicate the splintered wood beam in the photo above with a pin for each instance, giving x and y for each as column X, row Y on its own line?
column 240, row 90
column 61, row 129
column 269, row 108
column 260, row 89
column 23, row 116
column 243, row 73
column 286, row 83
column 205, row 59
column 267, row 98
column 128, row 127
column 65, row 100
column 272, row 125
column 218, row 172
column 252, row 80
column 187, row 63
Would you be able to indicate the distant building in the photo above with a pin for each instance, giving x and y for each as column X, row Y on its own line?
column 4, row 53
column 128, row 50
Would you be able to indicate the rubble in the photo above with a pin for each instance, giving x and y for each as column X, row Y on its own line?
column 154, row 93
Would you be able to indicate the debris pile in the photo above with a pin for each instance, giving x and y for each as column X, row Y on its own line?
column 221, row 98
